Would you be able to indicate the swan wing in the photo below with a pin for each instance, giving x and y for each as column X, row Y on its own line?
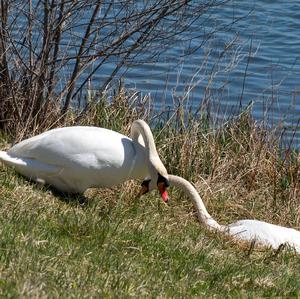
column 65, row 142
column 76, row 158
column 76, row 146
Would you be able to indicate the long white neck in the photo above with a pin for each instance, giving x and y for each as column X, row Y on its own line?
column 191, row 192
column 140, row 128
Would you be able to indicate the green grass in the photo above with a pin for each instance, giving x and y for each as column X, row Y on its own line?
column 117, row 246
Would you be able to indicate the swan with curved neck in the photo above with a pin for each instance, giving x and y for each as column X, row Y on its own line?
column 264, row 233
column 73, row 159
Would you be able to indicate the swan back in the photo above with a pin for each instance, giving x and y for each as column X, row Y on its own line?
column 76, row 158
column 265, row 233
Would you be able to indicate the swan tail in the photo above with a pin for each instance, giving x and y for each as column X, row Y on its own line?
column 7, row 159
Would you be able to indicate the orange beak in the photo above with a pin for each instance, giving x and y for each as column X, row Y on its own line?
column 163, row 192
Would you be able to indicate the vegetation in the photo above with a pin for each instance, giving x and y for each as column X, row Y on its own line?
column 117, row 245
column 51, row 52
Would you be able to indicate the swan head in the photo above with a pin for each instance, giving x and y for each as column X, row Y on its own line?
column 162, row 183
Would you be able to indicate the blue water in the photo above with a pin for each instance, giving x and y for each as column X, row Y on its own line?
column 261, row 69
column 265, row 74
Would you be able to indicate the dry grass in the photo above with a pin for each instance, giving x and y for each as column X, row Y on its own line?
column 240, row 167
column 119, row 246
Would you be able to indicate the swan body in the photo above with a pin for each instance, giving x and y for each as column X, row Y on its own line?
column 264, row 233
column 73, row 159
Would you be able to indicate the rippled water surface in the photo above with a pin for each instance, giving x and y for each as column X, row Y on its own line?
column 266, row 71
column 261, row 70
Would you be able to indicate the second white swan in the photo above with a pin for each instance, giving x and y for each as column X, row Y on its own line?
column 264, row 233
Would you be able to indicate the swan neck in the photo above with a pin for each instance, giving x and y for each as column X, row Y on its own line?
column 191, row 192
column 138, row 128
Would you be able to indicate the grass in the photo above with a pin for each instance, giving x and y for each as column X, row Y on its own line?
column 119, row 246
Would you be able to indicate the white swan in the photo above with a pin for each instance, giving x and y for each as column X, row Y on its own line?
column 262, row 232
column 73, row 159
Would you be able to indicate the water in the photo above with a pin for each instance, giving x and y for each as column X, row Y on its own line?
column 260, row 70
column 268, row 32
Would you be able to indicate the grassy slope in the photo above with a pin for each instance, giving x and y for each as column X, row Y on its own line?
column 116, row 245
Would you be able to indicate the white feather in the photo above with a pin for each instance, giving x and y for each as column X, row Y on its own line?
column 263, row 233
column 73, row 159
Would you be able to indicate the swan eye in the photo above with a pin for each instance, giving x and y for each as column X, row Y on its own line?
column 146, row 183
column 145, row 187
column 162, row 179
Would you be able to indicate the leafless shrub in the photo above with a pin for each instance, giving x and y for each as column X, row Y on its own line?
column 50, row 50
